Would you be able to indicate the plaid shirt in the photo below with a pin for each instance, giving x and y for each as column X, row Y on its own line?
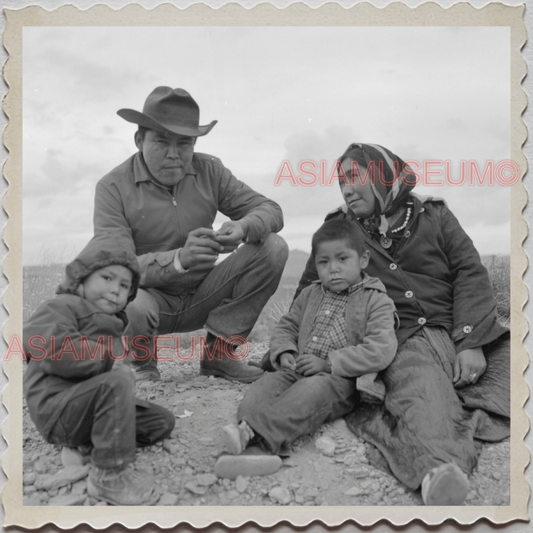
column 329, row 327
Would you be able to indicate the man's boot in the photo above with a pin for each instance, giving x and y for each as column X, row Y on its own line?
column 215, row 361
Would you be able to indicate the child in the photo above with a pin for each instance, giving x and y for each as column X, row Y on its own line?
column 328, row 348
column 78, row 396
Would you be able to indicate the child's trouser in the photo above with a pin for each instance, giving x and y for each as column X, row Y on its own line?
column 282, row 406
column 104, row 412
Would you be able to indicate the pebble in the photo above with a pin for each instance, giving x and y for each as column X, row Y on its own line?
column 354, row 491
column 189, row 471
column 170, row 447
column 168, row 499
column 191, row 486
column 496, row 475
column 40, row 468
column 365, row 484
column 65, row 476
column 280, row 495
column 232, row 494
column 29, row 489
column 29, row 478
column 206, row 479
column 325, row 446
column 241, row 484
column 67, row 499
column 80, row 487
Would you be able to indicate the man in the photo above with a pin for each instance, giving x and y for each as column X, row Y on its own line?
column 165, row 199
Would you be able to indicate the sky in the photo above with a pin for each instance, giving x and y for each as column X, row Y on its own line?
column 280, row 94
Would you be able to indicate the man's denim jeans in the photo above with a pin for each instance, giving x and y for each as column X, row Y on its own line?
column 104, row 412
column 227, row 302
column 282, row 406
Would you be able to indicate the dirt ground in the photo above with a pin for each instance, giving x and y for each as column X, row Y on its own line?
column 183, row 466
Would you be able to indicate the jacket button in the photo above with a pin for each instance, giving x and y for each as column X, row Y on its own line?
column 407, row 234
column 467, row 329
column 422, row 320
column 393, row 266
column 422, row 209
column 315, row 338
column 409, row 294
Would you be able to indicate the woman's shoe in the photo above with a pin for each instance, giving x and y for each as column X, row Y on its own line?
column 445, row 485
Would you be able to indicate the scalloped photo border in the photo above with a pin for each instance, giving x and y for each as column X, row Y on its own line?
column 397, row 14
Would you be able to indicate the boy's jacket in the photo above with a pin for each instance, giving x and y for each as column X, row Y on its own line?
column 68, row 339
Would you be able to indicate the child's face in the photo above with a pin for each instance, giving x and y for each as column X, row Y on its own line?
column 108, row 288
column 339, row 266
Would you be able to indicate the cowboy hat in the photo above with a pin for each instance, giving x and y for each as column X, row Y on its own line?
column 166, row 110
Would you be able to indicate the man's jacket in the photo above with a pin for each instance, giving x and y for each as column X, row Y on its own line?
column 157, row 221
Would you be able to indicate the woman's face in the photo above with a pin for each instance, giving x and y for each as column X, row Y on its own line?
column 357, row 192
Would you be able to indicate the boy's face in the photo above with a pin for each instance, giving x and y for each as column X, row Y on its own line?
column 339, row 266
column 108, row 288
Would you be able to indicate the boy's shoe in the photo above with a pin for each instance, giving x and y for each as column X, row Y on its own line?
column 236, row 437
column 231, row 466
column 76, row 456
column 121, row 486
column 445, row 485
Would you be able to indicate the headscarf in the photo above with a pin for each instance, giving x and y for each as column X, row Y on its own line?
column 392, row 183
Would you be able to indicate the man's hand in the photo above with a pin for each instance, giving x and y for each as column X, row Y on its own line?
column 308, row 365
column 469, row 367
column 231, row 234
column 287, row 361
column 201, row 247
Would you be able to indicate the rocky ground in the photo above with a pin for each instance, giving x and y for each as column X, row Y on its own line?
column 330, row 467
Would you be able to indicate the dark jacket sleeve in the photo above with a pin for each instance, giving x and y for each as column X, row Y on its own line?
column 475, row 320
column 52, row 338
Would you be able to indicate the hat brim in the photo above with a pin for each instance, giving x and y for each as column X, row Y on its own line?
column 141, row 119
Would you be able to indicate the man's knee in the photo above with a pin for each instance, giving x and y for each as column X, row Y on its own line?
column 276, row 251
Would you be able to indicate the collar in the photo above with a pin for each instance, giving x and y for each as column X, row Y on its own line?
column 141, row 172
column 349, row 290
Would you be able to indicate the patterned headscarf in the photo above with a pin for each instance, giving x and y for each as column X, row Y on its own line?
column 392, row 183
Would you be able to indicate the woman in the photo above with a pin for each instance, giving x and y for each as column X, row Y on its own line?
column 449, row 383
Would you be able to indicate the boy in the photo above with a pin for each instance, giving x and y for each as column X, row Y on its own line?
column 78, row 395
column 328, row 348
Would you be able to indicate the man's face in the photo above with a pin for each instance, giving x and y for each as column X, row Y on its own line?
column 167, row 156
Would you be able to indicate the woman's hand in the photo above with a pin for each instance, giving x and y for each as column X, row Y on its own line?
column 469, row 367
column 308, row 365
column 287, row 361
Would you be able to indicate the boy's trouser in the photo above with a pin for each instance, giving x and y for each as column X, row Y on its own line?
column 227, row 302
column 104, row 412
column 282, row 406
